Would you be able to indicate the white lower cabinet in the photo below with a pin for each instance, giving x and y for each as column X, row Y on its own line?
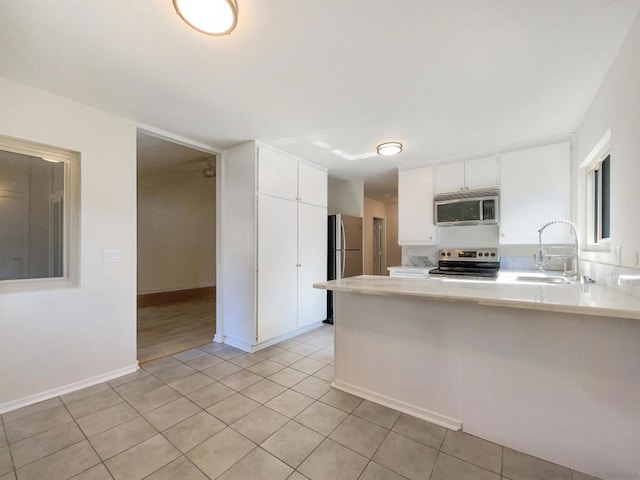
column 277, row 267
column 312, row 264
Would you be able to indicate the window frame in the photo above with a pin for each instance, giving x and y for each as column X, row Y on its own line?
column 70, row 211
column 593, row 204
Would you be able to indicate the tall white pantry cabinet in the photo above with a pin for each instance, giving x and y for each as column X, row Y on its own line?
column 274, row 245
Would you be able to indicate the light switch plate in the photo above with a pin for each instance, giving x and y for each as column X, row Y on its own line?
column 111, row 256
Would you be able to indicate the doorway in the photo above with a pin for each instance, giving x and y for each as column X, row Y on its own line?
column 176, row 281
column 378, row 246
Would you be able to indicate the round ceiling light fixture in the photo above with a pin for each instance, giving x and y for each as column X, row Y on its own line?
column 389, row 148
column 212, row 17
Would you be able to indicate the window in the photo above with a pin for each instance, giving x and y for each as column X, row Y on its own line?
column 34, row 211
column 599, row 200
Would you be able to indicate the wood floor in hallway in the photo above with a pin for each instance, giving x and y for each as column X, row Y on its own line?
column 171, row 325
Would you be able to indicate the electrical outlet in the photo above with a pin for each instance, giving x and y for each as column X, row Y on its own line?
column 111, row 256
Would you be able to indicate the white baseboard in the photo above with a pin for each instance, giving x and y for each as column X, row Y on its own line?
column 247, row 347
column 218, row 338
column 71, row 387
column 413, row 410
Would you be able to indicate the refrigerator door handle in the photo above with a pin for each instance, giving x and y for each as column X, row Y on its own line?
column 344, row 247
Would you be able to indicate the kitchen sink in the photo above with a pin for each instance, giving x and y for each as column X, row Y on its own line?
column 541, row 279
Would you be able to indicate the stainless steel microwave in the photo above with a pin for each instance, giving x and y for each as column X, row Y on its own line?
column 471, row 207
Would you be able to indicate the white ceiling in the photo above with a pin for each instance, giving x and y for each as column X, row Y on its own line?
column 445, row 77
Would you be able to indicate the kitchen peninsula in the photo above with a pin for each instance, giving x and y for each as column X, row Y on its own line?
column 551, row 370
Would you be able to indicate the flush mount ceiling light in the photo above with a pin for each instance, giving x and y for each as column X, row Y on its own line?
column 212, row 17
column 389, row 148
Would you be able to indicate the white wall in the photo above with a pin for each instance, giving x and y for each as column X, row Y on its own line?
column 346, row 197
column 55, row 337
column 176, row 231
column 616, row 106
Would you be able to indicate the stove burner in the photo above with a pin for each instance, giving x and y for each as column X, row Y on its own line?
column 483, row 262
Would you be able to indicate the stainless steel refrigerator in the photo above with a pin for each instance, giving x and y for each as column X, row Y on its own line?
column 344, row 252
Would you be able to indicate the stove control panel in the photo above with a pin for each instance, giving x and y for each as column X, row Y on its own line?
column 471, row 254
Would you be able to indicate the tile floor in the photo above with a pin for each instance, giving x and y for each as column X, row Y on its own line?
column 217, row 412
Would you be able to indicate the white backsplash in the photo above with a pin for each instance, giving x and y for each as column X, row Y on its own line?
column 627, row 280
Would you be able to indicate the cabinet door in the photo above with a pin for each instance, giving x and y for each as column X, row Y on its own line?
column 535, row 187
column 277, row 270
column 312, row 185
column 415, row 207
column 277, row 173
column 481, row 173
column 450, row 177
column 312, row 260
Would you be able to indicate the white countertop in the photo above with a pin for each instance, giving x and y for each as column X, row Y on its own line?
column 588, row 299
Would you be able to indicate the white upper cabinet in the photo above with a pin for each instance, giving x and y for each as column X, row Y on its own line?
column 468, row 175
column 415, row 207
column 312, row 185
column 277, row 173
column 535, row 187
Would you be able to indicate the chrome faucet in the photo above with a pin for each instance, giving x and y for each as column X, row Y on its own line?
column 576, row 256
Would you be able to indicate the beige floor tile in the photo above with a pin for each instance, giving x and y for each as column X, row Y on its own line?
column 61, row 465
column 93, row 403
column 378, row 472
column 246, row 360
column 263, row 391
column 191, row 383
column 270, row 351
column 520, row 466
column 143, row 459
column 45, row 443
column 221, row 370
column 31, row 410
column 85, row 392
column 99, row 472
column 286, row 358
column 130, row 377
column 320, row 341
column 333, row 461
column 175, row 373
column 180, row 469
column 105, row 419
column 448, row 467
column 303, row 349
column 229, row 352
column 258, row 465
column 172, row 413
column 155, row 398
column 194, row 430
column 323, row 356
column 307, row 365
column 39, row 422
column 474, row 450
column 3, row 438
column 213, row 347
column 288, row 377
column 383, row 416
column 287, row 344
column 342, row 400
column 359, row 435
column 406, row 457
column 204, row 361
column 420, row 430
column 582, row 476
column 292, row 443
column 161, row 364
column 312, row 387
column 188, row 355
column 289, row 403
column 321, row 418
column 326, row 373
column 137, row 387
column 241, row 380
column 10, row 476
column 259, row 424
column 210, row 395
column 233, row 408
column 266, row 368
column 220, row 452
column 6, row 465
column 122, row 437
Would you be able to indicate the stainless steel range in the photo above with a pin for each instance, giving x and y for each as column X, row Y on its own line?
column 468, row 262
